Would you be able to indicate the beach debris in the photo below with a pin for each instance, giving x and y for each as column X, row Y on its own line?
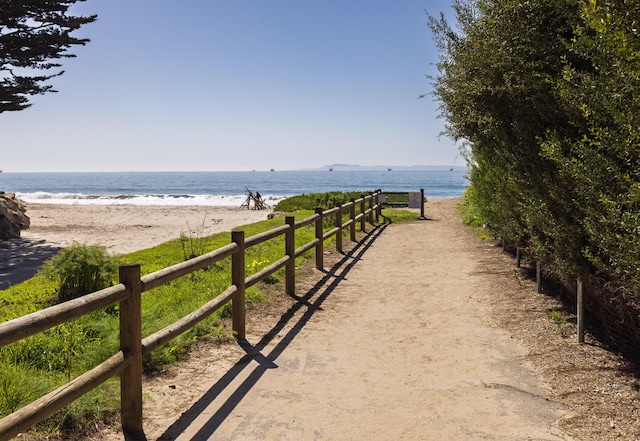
column 12, row 216
column 254, row 199
column 275, row 214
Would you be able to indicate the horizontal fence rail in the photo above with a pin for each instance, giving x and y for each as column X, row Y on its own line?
column 128, row 361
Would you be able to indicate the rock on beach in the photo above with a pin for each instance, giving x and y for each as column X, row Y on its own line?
column 12, row 216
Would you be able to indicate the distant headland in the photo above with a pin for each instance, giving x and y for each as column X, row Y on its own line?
column 354, row 167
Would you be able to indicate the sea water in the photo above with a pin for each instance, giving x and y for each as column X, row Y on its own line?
column 220, row 188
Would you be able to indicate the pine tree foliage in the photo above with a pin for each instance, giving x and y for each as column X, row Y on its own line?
column 34, row 36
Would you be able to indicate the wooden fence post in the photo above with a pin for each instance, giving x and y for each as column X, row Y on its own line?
column 352, row 214
column 290, row 249
column 422, row 204
column 379, row 205
column 580, row 312
column 320, row 237
column 131, row 342
column 371, row 210
column 539, row 276
column 238, row 308
column 339, row 226
column 362, row 210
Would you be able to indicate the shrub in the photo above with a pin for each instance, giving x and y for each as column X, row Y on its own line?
column 312, row 200
column 194, row 242
column 81, row 269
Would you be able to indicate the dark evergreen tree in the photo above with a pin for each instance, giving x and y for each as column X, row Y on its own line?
column 34, row 36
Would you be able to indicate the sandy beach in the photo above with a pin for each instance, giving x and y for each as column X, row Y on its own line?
column 120, row 228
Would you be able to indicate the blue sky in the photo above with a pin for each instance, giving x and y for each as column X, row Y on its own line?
column 238, row 85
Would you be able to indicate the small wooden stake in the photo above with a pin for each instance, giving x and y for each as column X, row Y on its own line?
column 580, row 312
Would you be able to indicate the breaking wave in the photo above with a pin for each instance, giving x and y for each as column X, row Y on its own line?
column 149, row 199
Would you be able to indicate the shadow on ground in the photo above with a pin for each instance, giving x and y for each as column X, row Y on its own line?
column 20, row 259
column 312, row 302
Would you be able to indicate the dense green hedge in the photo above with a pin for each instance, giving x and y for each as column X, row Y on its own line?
column 545, row 95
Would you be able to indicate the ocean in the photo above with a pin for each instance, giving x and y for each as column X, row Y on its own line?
column 220, row 188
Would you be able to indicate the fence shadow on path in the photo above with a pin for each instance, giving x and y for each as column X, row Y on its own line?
column 312, row 300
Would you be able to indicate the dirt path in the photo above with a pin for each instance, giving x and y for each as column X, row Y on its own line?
column 397, row 343
column 416, row 335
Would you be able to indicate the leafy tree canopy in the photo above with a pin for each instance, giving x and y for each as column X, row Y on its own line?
column 546, row 93
column 34, row 35
column 498, row 70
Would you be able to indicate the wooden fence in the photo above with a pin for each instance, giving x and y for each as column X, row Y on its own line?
column 580, row 311
column 128, row 361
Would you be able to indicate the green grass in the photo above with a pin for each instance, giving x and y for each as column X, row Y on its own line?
column 398, row 215
column 402, row 198
column 471, row 214
column 312, row 200
column 34, row 366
